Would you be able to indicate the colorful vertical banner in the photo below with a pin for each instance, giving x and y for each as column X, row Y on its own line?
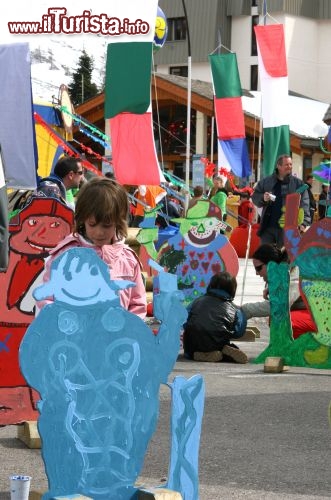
column 128, row 99
column 232, row 146
column 274, row 90
column 49, row 151
column 3, row 219
column 16, row 116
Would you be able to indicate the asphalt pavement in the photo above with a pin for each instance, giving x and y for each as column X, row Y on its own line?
column 264, row 436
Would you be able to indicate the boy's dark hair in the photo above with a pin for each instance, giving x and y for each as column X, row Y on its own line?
column 270, row 252
column 65, row 165
column 198, row 191
column 223, row 281
column 110, row 175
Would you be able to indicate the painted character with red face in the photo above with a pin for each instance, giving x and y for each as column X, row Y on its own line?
column 34, row 231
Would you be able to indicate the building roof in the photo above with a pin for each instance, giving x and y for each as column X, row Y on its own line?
column 200, row 87
column 167, row 90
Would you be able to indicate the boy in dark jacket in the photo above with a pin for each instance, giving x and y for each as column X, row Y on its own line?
column 213, row 320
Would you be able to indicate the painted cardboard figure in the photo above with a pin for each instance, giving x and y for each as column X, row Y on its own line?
column 196, row 252
column 98, row 369
column 39, row 227
column 311, row 252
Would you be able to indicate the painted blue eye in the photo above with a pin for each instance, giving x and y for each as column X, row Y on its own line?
column 94, row 271
column 68, row 275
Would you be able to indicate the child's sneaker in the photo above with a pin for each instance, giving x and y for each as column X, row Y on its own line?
column 211, row 357
column 235, row 354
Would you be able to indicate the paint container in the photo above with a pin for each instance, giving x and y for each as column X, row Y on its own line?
column 19, row 487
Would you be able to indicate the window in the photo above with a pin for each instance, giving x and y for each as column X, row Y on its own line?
column 307, row 165
column 176, row 29
column 255, row 22
column 254, row 77
column 179, row 170
column 178, row 70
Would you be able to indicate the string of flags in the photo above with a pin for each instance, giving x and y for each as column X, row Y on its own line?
column 79, row 120
column 64, row 145
column 91, row 152
column 96, row 139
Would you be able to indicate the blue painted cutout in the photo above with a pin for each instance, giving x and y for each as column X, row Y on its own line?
column 186, row 419
column 98, row 370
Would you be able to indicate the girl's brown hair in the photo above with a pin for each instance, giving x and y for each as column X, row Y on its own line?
column 106, row 201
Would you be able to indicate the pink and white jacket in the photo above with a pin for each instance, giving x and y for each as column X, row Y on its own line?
column 123, row 264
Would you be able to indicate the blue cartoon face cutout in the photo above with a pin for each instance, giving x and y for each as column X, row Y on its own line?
column 78, row 277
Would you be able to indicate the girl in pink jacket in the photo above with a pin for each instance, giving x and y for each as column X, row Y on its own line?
column 101, row 223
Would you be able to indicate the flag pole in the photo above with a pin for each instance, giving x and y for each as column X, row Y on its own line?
column 188, row 116
column 264, row 14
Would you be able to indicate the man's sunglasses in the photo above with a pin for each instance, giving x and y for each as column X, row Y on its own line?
column 259, row 268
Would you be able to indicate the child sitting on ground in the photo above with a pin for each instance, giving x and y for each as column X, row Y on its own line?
column 213, row 320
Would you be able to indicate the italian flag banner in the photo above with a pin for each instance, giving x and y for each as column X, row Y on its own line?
column 128, row 97
column 274, row 90
column 232, row 146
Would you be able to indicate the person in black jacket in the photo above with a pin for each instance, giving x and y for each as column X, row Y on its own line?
column 213, row 320
column 312, row 202
column 322, row 198
column 270, row 194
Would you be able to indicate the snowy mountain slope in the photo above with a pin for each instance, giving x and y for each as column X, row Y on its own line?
column 53, row 64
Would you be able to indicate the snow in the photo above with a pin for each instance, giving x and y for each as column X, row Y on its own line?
column 62, row 60
column 304, row 114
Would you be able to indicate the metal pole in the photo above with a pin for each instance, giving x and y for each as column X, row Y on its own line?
column 212, row 139
column 82, row 88
column 188, row 116
column 258, row 167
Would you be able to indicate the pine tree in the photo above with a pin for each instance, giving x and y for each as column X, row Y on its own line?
column 82, row 88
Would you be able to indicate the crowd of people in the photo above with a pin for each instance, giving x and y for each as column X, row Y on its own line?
column 102, row 215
